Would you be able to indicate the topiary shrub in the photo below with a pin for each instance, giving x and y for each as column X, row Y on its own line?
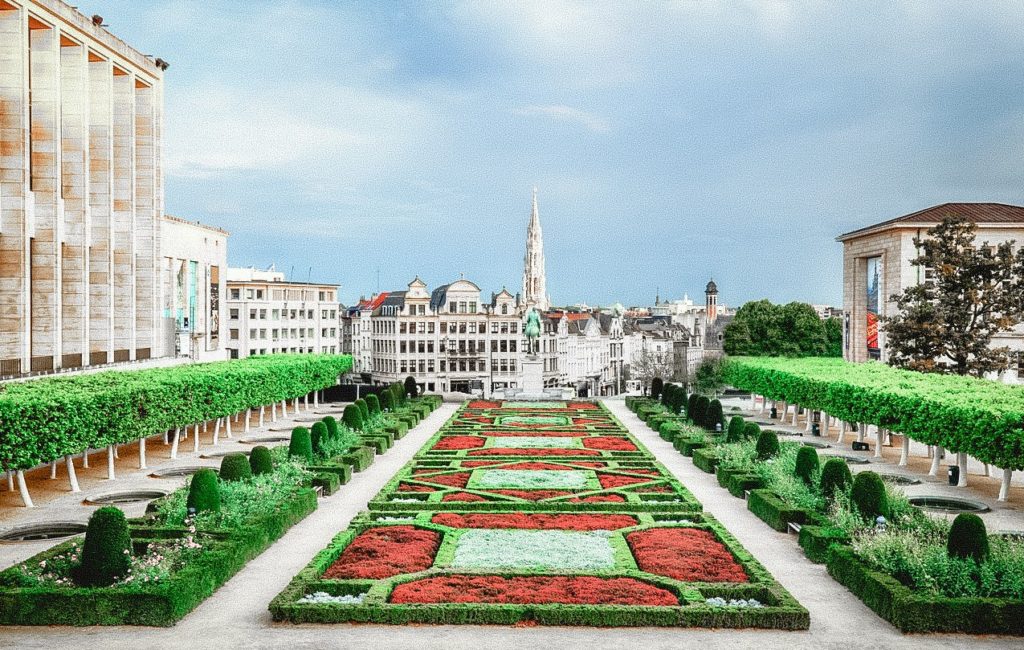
column 410, row 387
column 353, row 417
column 301, row 444
column 260, row 461
column 657, row 386
column 364, row 410
column 868, row 495
column 332, row 427
column 767, row 445
column 691, row 405
column 317, row 436
column 204, row 492
column 235, row 467
column 968, row 538
column 735, row 431
column 807, row 464
column 667, row 391
column 751, row 430
column 835, row 478
column 713, row 416
column 387, row 400
column 700, row 408
column 373, row 403
column 400, row 392
column 106, row 554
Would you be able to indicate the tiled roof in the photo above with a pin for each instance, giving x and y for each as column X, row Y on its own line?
column 989, row 213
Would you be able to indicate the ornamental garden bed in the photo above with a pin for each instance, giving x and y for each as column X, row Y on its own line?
column 529, row 536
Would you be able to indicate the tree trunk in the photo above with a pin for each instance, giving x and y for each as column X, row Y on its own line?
column 936, row 459
column 174, row 443
column 1004, row 488
column 248, row 416
column 85, row 459
column 69, row 462
column 905, row 451
column 216, row 432
column 26, row 498
column 53, row 470
column 110, row 463
column 879, row 436
column 142, row 453
column 961, row 461
column 195, row 443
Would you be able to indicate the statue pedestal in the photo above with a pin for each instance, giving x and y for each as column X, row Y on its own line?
column 533, row 377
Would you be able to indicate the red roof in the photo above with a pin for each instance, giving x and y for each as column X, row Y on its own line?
column 373, row 302
column 987, row 213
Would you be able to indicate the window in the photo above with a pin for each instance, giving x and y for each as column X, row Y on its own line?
column 401, row 328
column 233, row 335
column 472, row 327
column 472, row 307
column 494, row 345
column 430, row 346
column 421, row 347
column 259, row 294
column 323, row 312
column 504, row 308
column 452, row 307
column 274, row 335
column 494, row 327
column 504, row 328
column 252, row 314
column 511, row 365
column 252, row 333
column 462, row 328
column 421, row 328
column 441, row 364
column 462, row 307
column 422, row 366
column 263, row 314
column 404, row 366
column 504, row 346
column 236, row 294
column 233, row 314
column 513, row 327
column 430, row 327
column 430, row 365
column 512, row 345
column 263, row 333
column 234, row 353
column 401, row 347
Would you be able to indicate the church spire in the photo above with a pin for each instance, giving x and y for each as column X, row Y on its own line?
column 534, row 282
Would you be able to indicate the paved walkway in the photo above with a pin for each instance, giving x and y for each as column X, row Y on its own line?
column 237, row 617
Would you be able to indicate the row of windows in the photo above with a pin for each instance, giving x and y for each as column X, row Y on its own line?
column 462, row 365
column 327, row 349
column 275, row 334
column 284, row 314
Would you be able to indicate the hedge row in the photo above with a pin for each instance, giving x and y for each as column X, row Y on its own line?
column 982, row 418
column 44, row 419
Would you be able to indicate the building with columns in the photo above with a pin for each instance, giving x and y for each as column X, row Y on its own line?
column 81, row 192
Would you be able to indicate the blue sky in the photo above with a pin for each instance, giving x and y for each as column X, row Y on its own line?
column 670, row 142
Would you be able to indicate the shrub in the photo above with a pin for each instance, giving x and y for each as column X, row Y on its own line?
column 713, row 416
column 317, row 437
column 204, row 492
column 373, row 403
column 691, row 406
column 699, row 410
column 751, row 431
column 301, row 444
column 387, row 400
column 332, row 427
column 353, row 417
column 410, row 387
column 667, row 394
column 735, row 431
column 868, row 495
column 767, row 445
column 400, row 393
column 657, row 386
column 968, row 538
column 807, row 464
column 260, row 461
column 106, row 554
column 364, row 410
column 835, row 478
column 235, row 467
column 678, row 399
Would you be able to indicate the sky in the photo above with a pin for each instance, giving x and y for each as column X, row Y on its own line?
column 366, row 143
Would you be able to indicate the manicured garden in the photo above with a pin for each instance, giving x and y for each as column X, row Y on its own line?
column 593, row 535
column 921, row 573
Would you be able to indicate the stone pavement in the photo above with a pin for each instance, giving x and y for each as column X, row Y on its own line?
column 236, row 615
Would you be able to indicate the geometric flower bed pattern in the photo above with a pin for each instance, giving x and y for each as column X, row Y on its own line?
column 593, row 535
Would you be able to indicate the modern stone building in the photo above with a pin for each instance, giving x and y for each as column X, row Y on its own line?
column 876, row 265
column 269, row 315
column 81, row 192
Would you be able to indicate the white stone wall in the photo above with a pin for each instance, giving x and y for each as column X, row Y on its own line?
column 252, row 328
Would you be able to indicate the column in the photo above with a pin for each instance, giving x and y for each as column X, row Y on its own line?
column 100, row 205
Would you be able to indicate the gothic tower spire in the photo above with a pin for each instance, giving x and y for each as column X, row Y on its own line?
column 534, row 283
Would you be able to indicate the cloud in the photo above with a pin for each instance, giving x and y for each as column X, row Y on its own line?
column 566, row 114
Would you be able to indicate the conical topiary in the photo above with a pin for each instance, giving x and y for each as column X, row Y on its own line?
column 387, row 400
column 364, row 410
column 691, row 406
column 751, row 431
column 657, row 386
column 317, row 436
column 410, row 388
column 714, row 416
column 204, row 491
column 735, row 431
column 260, row 461
column 235, row 467
column 700, row 409
column 968, row 538
column 807, row 464
column 373, row 403
column 667, row 392
column 353, row 417
column 301, row 444
column 868, row 495
column 835, row 478
column 767, row 445
column 106, row 554
column 332, row 427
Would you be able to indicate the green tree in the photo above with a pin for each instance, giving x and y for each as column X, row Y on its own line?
column 708, row 378
column 763, row 329
column 833, row 337
column 975, row 292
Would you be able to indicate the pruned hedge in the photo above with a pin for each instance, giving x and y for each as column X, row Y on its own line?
column 45, row 419
column 982, row 418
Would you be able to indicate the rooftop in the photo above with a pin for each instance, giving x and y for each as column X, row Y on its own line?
column 979, row 213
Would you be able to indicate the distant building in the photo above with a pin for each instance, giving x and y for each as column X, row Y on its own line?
column 535, row 290
column 827, row 311
column 876, row 265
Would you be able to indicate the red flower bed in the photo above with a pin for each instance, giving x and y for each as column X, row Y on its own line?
column 569, row 464
column 688, row 554
column 537, row 434
column 463, row 497
column 457, row 479
column 386, row 551
column 609, row 481
column 609, row 443
column 589, row 406
column 484, row 404
column 525, row 590
column 598, row 498
column 407, row 487
column 454, row 443
column 532, row 495
column 536, row 521
column 513, row 451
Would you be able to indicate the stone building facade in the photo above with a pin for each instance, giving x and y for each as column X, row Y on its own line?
column 876, row 265
column 81, row 192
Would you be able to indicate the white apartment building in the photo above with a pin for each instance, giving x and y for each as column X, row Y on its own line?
column 268, row 315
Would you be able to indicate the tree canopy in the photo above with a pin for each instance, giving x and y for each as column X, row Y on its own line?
column 763, row 329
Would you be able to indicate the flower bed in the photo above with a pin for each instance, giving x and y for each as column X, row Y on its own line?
column 531, row 521
column 687, row 554
column 385, row 552
column 523, row 590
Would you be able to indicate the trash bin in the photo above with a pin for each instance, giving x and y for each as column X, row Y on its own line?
column 775, row 413
column 953, row 472
column 815, row 429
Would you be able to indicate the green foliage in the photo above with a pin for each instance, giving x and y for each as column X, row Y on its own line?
column 332, row 426
column 46, row 419
column 807, row 465
column 968, row 538
column 235, row 467
column 260, row 461
column 691, row 406
column 204, row 492
column 657, row 385
column 767, row 445
column 410, row 387
column 833, row 337
column 978, row 417
column 699, row 411
column 301, row 444
column 106, row 555
column 707, row 379
column 751, row 431
column 868, row 495
column 353, row 417
column 735, row 431
column 761, row 328
column 835, row 478
column 373, row 403
column 364, row 410
column 387, row 400
column 317, row 437
column 713, row 416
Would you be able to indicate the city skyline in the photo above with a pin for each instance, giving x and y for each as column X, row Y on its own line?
column 427, row 126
